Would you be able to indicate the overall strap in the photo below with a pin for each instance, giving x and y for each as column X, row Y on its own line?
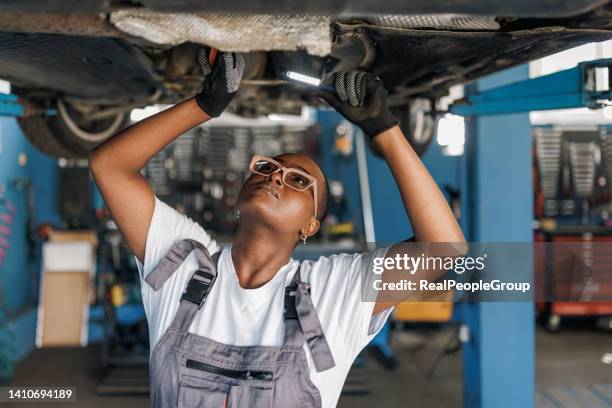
column 302, row 322
column 198, row 286
column 173, row 259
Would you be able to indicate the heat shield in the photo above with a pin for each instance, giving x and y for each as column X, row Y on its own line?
column 227, row 32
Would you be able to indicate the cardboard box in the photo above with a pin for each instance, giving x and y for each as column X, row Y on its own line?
column 66, row 290
column 63, row 311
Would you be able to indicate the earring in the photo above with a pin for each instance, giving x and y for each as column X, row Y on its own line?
column 303, row 237
column 237, row 215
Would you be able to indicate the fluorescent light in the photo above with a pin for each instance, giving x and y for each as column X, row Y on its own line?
column 139, row 114
column 607, row 112
column 278, row 117
column 451, row 130
column 303, row 78
column 453, row 150
column 451, row 134
column 5, row 87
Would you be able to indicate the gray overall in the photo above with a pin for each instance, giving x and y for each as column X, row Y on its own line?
column 188, row 370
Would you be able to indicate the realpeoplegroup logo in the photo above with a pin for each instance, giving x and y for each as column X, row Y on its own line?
column 448, row 285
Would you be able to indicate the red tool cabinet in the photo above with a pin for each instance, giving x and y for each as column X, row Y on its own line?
column 553, row 275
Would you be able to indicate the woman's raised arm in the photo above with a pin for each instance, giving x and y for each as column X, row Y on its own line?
column 116, row 164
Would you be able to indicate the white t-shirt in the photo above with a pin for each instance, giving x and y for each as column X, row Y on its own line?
column 247, row 317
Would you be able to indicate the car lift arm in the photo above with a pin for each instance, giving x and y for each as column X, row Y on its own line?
column 587, row 85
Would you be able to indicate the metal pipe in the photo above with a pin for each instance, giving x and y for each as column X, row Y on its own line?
column 364, row 184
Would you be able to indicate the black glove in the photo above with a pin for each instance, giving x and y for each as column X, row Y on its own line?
column 221, row 82
column 361, row 98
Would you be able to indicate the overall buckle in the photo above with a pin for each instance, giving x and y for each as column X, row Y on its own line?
column 290, row 311
column 198, row 287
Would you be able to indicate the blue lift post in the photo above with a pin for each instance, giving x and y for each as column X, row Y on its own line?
column 499, row 358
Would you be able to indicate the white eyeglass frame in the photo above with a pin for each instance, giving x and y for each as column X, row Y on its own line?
column 284, row 170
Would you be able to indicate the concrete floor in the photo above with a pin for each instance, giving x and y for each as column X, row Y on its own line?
column 570, row 358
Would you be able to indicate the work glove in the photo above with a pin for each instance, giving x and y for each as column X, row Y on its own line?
column 362, row 99
column 221, row 81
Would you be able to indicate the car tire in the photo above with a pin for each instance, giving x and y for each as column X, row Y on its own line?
column 36, row 129
column 69, row 134
column 418, row 123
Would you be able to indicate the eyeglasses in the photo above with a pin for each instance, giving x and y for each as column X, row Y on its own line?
column 291, row 177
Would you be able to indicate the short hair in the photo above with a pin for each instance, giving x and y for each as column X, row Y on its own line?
column 326, row 202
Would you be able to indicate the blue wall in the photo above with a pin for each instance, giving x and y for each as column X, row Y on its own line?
column 20, row 270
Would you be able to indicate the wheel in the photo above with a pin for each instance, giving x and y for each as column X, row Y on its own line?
column 418, row 123
column 71, row 133
column 36, row 129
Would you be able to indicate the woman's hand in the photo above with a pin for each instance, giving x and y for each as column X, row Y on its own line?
column 221, row 81
column 362, row 99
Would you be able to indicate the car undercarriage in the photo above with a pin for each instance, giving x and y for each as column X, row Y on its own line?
column 92, row 67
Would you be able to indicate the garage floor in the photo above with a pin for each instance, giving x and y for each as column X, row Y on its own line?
column 570, row 371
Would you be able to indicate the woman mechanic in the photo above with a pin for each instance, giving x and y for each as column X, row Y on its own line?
column 246, row 325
